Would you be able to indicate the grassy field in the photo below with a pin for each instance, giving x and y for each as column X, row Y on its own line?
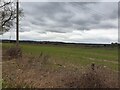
column 64, row 66
column 70, row 54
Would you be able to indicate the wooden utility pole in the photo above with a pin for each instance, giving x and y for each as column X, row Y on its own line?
column 17, row 22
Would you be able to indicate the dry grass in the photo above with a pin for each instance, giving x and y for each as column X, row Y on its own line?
column 38, row 72
column 98, row 78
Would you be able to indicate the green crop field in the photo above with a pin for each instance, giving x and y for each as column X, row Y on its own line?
column 76, row 55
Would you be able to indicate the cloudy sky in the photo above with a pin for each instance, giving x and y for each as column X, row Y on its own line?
column 80, row 22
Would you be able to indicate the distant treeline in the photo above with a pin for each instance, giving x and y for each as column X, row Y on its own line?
column 60, row 43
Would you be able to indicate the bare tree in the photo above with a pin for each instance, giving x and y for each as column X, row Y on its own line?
column 8, row 14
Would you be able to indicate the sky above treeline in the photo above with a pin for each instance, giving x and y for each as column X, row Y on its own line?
column 80, row 22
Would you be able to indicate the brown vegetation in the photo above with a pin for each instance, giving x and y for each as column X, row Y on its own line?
column 40, row 72
column 13, row 52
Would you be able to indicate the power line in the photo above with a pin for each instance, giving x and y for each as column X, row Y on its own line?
column 92, row 12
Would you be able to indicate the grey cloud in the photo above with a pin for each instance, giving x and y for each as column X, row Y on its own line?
column 78, row 16
column 69, row 22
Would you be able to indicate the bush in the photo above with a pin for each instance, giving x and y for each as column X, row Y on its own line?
column 14, row 52
column 100, row 77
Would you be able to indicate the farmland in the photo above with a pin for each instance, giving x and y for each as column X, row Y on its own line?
column 76, row 55
column 68, row 58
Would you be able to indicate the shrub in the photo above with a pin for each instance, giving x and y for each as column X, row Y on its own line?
column 14, row 52
column 99, row 77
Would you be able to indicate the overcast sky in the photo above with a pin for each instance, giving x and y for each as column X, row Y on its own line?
column 81, row 22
